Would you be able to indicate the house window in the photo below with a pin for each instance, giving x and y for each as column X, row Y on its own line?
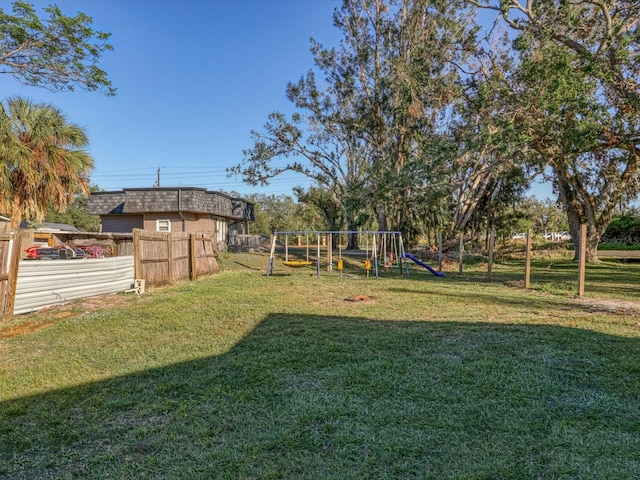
column 163, row 225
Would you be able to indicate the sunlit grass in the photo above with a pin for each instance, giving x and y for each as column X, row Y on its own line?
column 241, row 376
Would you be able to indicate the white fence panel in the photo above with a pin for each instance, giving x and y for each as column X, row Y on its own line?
column 43, row 283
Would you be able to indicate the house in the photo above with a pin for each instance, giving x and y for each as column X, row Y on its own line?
column 50, row 227
column 172, row 209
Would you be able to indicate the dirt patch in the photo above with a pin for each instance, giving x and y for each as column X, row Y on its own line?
column 625, row 307
column 47, row 317
column 360, row 298
column 100, row 302
column 23, row 328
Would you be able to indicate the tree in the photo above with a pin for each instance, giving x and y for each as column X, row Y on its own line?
column 419, row 47
column 317, row 143
column 42, row 161
column 386, row 87
column 59, row 53
column 541, row 216
column 76, row 214
column 573, row 102
column 397, row 62
column 283, row 213
column 325, row 202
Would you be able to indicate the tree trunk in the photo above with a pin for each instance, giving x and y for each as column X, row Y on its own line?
column 16, row 213
column 575, row 217
column 352, row 240
column 382, row 221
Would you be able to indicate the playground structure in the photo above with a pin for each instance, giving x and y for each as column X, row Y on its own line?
column 383, row 249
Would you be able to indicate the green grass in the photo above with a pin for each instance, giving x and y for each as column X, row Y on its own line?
column 238, row 376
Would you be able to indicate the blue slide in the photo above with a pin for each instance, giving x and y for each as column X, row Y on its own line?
column 422, row 264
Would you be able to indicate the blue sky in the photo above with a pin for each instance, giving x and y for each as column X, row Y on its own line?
column 193, row 78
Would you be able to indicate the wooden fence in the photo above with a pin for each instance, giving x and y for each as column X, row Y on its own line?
column 163, row 257
column 11, row 249
column 6, row 240
column 248, row 241
column 159, row 258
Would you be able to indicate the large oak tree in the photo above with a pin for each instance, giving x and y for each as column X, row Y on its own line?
column 572, row 101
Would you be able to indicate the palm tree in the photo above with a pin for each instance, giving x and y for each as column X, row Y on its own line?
column 42, row 161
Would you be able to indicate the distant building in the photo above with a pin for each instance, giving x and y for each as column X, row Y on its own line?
column 50, row 227
column 171, row 209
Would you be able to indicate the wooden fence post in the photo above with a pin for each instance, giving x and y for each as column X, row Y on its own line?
column 16, row 255
column 170, row 259
column 582, row 256
column 439, row 251
column 461, row 260
column 5, row 238
column 492, row 241
column 137, row 265
column 193, row 271
column 527, row 265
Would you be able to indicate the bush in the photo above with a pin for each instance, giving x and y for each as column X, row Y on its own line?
column 623, row 229
column 618, row 246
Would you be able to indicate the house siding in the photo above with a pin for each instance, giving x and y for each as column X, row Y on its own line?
column 204, row 223
column 121, row 223
column 179, row 223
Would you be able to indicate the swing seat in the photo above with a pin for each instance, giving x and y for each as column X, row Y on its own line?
column 296, row 263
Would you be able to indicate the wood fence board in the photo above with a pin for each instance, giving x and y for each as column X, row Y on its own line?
column 167, row 257
column 16, row 255
column 5, row 242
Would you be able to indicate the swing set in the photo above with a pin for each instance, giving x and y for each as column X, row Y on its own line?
column 382, row 249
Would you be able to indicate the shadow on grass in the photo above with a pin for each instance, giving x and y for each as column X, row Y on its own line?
column 325, row 397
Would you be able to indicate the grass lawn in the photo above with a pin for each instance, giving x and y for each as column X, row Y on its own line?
column 239, row 376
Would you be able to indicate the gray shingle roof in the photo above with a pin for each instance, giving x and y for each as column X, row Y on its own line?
column 62, row 227
column 172, row 199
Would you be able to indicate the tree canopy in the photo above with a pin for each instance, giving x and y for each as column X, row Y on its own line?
column 42, row 160
column 76, row 213
column 423, row 121
column 58, row 52
column 570, row 102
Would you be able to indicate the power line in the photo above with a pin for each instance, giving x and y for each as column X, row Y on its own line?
column 224, row 180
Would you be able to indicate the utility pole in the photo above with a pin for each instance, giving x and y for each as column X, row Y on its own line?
column 158, row 181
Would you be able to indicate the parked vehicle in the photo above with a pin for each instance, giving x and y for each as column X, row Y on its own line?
column 557, row 236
